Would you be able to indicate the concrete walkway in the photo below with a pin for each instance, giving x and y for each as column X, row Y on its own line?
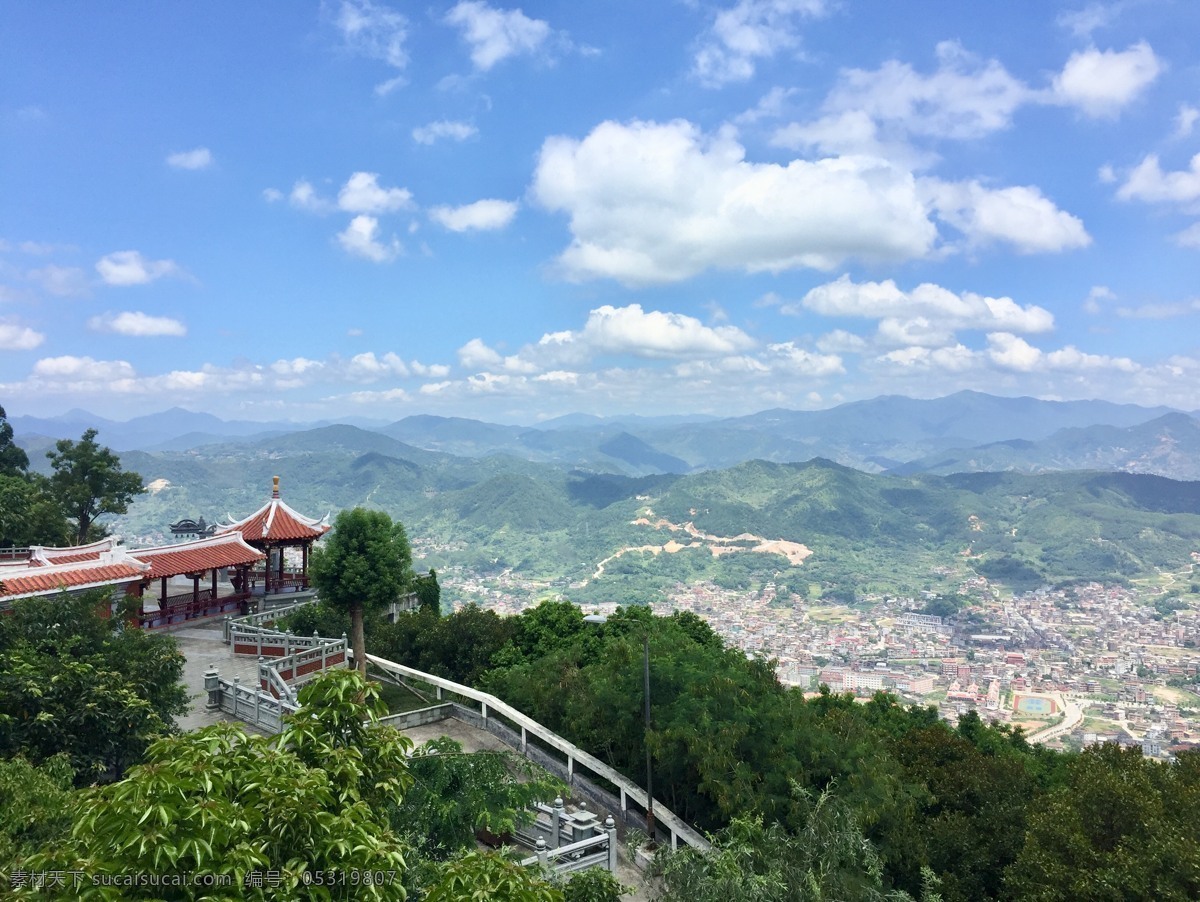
column 203, row 646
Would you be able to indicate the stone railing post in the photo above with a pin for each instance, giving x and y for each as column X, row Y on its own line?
column 556, row 823
column 543, row 856
column 237, row 696
column 212, row 685
column 610, row 827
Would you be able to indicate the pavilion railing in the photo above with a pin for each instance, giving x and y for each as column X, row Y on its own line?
column 180, row 608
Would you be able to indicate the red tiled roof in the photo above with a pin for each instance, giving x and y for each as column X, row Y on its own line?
column 276, row 522
column 227, row 550
column 45, row 556
column 42, row 580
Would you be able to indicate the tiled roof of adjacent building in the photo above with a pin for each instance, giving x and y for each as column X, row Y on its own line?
column 108, row 568
column 226, row 550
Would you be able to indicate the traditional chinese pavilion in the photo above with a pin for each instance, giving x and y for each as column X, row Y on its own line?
column 273, row 529
column 176, row 583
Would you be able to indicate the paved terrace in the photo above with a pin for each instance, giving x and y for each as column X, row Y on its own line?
column 203, row 646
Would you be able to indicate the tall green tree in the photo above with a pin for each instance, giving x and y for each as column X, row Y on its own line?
column 13, row 459
column 71, row 684
column 88, row 482
column 365, row 564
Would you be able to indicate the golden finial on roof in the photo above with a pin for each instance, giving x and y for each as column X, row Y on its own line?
column 275, row 487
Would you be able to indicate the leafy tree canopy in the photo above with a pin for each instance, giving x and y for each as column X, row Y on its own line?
column 73, row 682
column 88, row 482
column 364, row 565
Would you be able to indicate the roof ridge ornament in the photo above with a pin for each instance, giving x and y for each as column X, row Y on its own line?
column 274, row 486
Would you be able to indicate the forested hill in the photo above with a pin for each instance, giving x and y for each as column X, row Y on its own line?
column 559, row 523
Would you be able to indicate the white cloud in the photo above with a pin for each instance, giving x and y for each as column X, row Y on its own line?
column 1019, row 216
column 1010, row 352
column 15, row 337
column 477, row 355
column 431, row 370
column 952, row 359
column 374, row 31
column 931, row 305
column 61, row 281
column 496, row 34
column 70, row 368
column 200, row 158
column 631, row 330
column 484, row 215
column 367, row 367
column 802, row 362
column 304, row 197
column 1147, row 182
column 131, row 268
column 137, row 324
column 839, row 340
column 1186, row 120
column 1189, row 237
column 750, row 31
column 1096, row 296
column 653, row 202
column 1160, row 311
column 362, row 194
column 444, row 128
column 966, row 97
column 1082, row 22
column 1102, row 82
column 272, row 195
column 361, row 239
column 852, row 132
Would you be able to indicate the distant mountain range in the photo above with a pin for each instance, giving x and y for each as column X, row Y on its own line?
column 967, row 431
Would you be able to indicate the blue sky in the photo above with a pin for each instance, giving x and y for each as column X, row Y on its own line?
column 286, row 210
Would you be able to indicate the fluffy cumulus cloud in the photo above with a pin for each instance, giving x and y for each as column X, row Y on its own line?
column 966, row 97
column 367, row 367
column 131, row 268
column 748, row 32
column 138, row 325
column 15, row 337
column 925, row 316
column 377, row 32
column 444, row 129
column 200, row 158
column 361, row 238
column 496, row 34
column 1021, row 216
column 483, row 215
column 634, row 331
column 1012, row 352
column 362, row 193
column 1103, row 82
column 651, row 202
column 1148, row 182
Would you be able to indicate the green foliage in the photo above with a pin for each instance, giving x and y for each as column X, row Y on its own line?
column 88, row 482
column 429, row 593
column 13, row 459
column 594, row 885
column 75, row 682
column 460, row 646
column 35, row 805
column 1122, row 827
column 456, row 793
column 221, row 802
column 490, row 877
column 828, row 858
column 365, row 565
column 29, row 514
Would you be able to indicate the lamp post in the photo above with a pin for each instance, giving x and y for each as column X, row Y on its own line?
column 601, row 618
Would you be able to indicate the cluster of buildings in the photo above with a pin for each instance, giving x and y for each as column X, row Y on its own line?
column 265, row 553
